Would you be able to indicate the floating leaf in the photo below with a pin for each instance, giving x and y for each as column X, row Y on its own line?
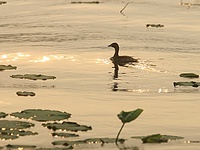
column 103, row 140
column 8, row 124
column 129, row 116
column 189, row 75
column 192, row 83
column 92, row 2
column 13, row 129
column 3, row 115
column 87, row 141
column 158, row 138
column 25, row 93
column 33, row 76
column 8, row 67
column 154, row 25
column 64, row 134
column 21, row 146
column 67, row 147
column 42, row 115
column 69, row 143
column 68, row 126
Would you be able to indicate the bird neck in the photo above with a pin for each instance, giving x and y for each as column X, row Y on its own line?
column 116, row 51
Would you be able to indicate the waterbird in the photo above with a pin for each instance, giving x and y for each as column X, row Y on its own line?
column 121, row 60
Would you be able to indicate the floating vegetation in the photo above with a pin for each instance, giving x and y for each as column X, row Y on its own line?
column 13, row 129
column 87, row 141
column 127, row 117
column 25, row 93
column 67, row 126
column 192, row 84
column 20, row 147
column 154, row 25
column 3, row 115
column 189, row 75
column 33, row 76
column 56, row 148
column 42, row 115
column 8, row 67
column 158, row 138
column 64, row 135
column 79, row 2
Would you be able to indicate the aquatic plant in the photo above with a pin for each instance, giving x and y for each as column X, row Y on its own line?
column 192, row 84
column 42, row 115
column 67, row 126
column 33, row 76
column 189, row 75
column 25, row 93
column 13, row 129
column 8, row 67
column 155, row 25
column 157, row 138
column 127, row 117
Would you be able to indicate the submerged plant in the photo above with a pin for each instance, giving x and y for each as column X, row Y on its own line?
column 127, row 117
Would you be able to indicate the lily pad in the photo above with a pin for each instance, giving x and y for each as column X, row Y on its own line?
column 158, row 138
column 56, row 148
column 129, row 116
column 87, row 141
column 8, row 124
column 67, row 126
column 103, row 140
column 192, row 83
column 42, row 115
column 13, row 129
column 92, row 2
column 33, row 76
column 25, row 93
column 189, row 75
column 155, row 25
column 21, row 146
column 3, row 115
column 8, row 67
column 65, row 135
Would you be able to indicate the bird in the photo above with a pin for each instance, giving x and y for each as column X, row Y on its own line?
column 121, row 60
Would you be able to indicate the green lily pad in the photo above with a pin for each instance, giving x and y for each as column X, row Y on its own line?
column 92, row 2
column 13, row 129
column 3, row 115
column 87, row 141
column 42, row 115
column 33, row 76
column 189, row 75
column 192, row 84
column 155, row 25
column 21, row 146
column 103, row 140
column 64, row 135
column 129, row 116
column 25, row 93
column 158, row 138
column 8, row 67
column 56, row 148
column 8, row 124
column 14, row 134
column 67, row 126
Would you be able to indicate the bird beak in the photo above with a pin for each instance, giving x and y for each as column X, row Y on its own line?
column 109, row 45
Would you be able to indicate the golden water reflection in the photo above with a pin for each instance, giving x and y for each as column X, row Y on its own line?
column 12, row 57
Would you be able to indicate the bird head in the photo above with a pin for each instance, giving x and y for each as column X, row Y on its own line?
column 114, row 45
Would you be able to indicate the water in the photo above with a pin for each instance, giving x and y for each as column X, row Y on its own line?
column 70, row 41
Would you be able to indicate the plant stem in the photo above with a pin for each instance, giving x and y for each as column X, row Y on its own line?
column 119, row 133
